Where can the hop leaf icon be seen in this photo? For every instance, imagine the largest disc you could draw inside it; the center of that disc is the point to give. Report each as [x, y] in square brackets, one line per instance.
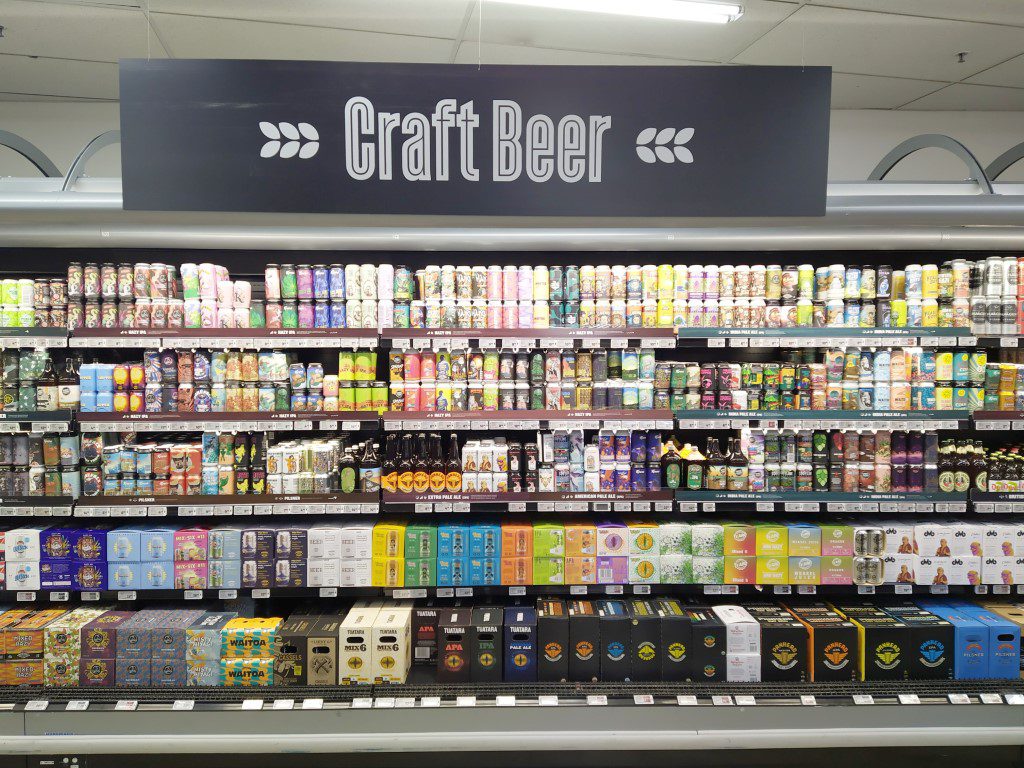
[294, 145]
[662, 139]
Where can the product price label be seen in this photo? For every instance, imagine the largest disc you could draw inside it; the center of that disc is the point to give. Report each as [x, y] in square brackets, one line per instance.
[904, 589]
[991, 698]
[465, 701]
[722, 701]
[597, 701]
[430, 702]
[77, 705]
[192, 594]
[60, 597]
[863, 699]
[328, 591]
[36, 705]
[642, 589]
[806, 589]
[939, 589]
[909, 698]
[1015, 699]
[547, 701]
[782, 589]
[578, 589]
[643, 699]
[686, 701]
[516, 591]
[283, 704]
[26, 597]
[362, 702]
[183, 705]
[613, 589]
[808, 701]
[504, 701]
[384, 702]
[865, 589]
[745, 701]
[959, 698]
[405, 702]
[252, 704]
[463, 591]
[260, 594]
[730, 589]
[312, 703]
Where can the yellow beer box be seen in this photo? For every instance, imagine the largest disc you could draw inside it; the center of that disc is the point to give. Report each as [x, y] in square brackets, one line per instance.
[804, 540]
[249, 639]
[772, 570]
[246, 673]
[392, 644]
[387, 571]
[772, 540]
[355, 657]
[388, 541]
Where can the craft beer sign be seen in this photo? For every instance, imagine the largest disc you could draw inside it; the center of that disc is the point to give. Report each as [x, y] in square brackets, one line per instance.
[335, 137]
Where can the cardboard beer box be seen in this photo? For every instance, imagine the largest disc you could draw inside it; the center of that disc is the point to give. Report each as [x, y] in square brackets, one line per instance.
[645, 640]
[452, 541]
[324, 542]
[424, 633]
[291, 543]
[520, 645]
[322, 644]
[785, 648]
[290, 648]
[931, 643]
[613, 619]
[739, 540]
[22, 672]
[675, 539]
[740, 570]
[486, 635]
[169, 673]
[62, 637]
[24, 640]
[392, 644]
[170, 633]
[553, 640]
[804, 540]
[677, 569]
[246, 673]
[421, 542]
[772, 540]
[584, 641]
[202, 672]
[742, 632]
[98, 672]
[249, 638]
[202, 638]
[99, 636]
[356, 542]
[580, 540]
[676, 637]
[644, 538]
[834, 647]
[884, 644]
[708, 645]
[258, 543]
[355, 661]
[135, 636]
[453, 628]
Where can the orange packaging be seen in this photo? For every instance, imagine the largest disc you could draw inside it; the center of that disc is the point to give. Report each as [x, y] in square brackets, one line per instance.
[7, 619]
[580, 541]
[21, 672]
[517, 571]
[24, 640]
[580, 569]
[517, 541]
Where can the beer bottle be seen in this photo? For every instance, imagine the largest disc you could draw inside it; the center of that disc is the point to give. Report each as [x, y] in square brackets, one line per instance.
[389, 470]
[348, 472]
[68, 389]
[738, 467]
[421, 470]
[671, 467]
[46, 388]
[437, 466]
[714, 472]
[369, 469]
[961, 470]
[405, 466]
[453, 467]
[947, 481]
[979, 467]
[694, 469]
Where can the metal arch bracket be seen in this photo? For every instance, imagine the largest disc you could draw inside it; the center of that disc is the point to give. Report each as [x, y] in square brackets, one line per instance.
[937, 141]
[30, 152]
[78, 167]
[1010, 157]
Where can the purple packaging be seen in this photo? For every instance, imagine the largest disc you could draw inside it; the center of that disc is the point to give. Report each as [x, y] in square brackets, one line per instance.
[612, 570]
[290, 573]
[99, 673]
[169, 633]
[622, 445]
[291, 543]
[257, 574]
[55, 544]
[55, 575]
[638, 477]
[258, 544]
[88, 576]
[653, 477]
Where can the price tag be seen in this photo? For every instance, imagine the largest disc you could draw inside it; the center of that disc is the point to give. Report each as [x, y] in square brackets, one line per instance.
[686, 701]
[36, 705]
[26, 597]
[260, 594]
[504, 701]
[1008, 341]
[77, 705]
[1015, 699]
[712, 589]
[909, 698]
[328, 591]
[959, 698]
[227, 594]
[465, 701]
[547, 701]
[722, 701]
[405, 702]
[806, 589]
[782, 589]
[192, 594]
[126, 705]
[939, 589]
[283, 704]
[865, 589]
[384, 702]
[730, 589]
[252, 704]
[183, 705]
[643, 699]
[765, 506]
[1000, 589]
[430, 702]
[863, 699]
[808, 701]
[904, 589]
[312, 703]
[59, 597]
[642, 589]
[445, 592]
[362, 702]
[613, 589]
[745, 701]
[578, 589]
[981, 589]
[463, 591]
[597, 701]
[991, 698]
[516, 591]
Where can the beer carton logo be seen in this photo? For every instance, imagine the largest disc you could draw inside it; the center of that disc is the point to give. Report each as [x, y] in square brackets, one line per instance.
[57, 545]
[772, 536]
[676, 652]
[553, 651]
[709, 670]
[453, 662]
[739, 535]
[584, 650]
[520, 660]
[616, 651]
[887, 655]
[645, 569]
[355, 662]
[837, 656]
[646, 651]
[486, 659]
[709, 641]
[645, 542]
[933, 653]
[387, 662]
[784, 655]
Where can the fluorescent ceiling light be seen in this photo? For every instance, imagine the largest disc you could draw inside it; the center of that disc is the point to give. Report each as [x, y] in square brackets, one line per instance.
[672, 10]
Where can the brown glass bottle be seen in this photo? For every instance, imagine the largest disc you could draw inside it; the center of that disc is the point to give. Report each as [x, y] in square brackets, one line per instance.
[421, 468]
[715, 472]
[737, 467]
[389, 468]
[671, 467]
[436, 465]
[405, 468]
[453, 467]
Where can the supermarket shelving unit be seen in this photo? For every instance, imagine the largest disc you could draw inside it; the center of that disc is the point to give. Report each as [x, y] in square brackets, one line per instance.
[542, 723]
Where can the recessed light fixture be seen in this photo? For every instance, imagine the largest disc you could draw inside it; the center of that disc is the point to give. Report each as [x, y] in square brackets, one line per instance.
[672, 10]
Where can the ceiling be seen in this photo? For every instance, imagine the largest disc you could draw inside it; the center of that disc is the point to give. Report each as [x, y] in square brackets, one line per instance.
[886, 54]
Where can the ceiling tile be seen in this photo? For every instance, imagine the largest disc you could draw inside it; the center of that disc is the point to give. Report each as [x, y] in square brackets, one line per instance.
[546, 28]
[971, 97]
[491, 53]
[429, 18]
[882, 44]
[198, 37]
[993, 11]
[58, 77]
[872, 92]
[75, 31]
[1009, 73]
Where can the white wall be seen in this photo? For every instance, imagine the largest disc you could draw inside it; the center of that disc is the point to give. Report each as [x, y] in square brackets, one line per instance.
[860, 138]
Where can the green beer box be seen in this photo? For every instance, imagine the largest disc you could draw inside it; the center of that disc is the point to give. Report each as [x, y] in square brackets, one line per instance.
[420, 542]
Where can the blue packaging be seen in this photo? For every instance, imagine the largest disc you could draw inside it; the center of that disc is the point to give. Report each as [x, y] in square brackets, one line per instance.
[485, 540]
[54, 575]
[144, 461]
[225, 543]
[1003, 643]
[970, 652]
[654, 477]
[200, 366]
[129, 459]
[321, 282]
[111, 485]
[156, 544]
[210, 447]
[638, 477]
[55, 544]
[452, 572]
[88, 575]
[452, 541]
[654, 445]
[520, 645]
[104, 377]
[87, 402]
[157, 574]
[104, 402]
[125, 575]
[338, 314]
[87, 377]
[484, 571]
[169, 673]
[88, 544]
[124, 545]
[211, 479]
[336, 281]
[224, 574]
[111, 459]
[144, 486]
[637, 445]
[321, 315]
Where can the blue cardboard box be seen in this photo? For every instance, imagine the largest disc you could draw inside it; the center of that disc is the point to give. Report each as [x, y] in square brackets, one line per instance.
[485, 540]
[124, 575]
[156, 544]
[970, 651]
[520, 645]
[225, 543]
[54, 575]
[452, 541]
[158, 574]
[224, 574]
[88, 575]
[124, 545]
[484, 571]
[453, 572]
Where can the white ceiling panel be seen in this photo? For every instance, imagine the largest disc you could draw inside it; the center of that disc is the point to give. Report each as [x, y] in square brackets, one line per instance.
[491, 53]
[430, 18]
[972, 97]
[58, 77]
[993, 11]
[74, 31]
[197, 37]
[546, 28]
[882, 44]
[872, 92]
[1009, 73]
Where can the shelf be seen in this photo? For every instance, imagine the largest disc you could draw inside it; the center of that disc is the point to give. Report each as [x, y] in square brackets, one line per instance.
[240, 338]
[762, 501]
[554, 338]
[346, 421]
[15, 338]
[826, 337]
[998, 421]
[609, 419]
[228, 506]
[714, 419]
[36, 506]
[36, 421]
[648, 501]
